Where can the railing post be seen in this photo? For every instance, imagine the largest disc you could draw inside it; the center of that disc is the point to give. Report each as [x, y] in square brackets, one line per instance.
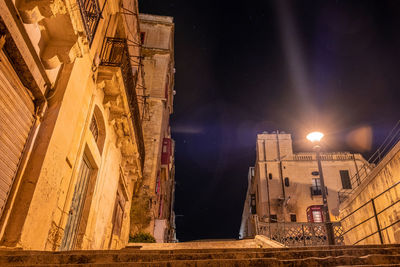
[377, 221]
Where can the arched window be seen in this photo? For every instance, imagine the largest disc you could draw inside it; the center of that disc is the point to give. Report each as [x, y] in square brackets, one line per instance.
[94, 128]
[98, 128]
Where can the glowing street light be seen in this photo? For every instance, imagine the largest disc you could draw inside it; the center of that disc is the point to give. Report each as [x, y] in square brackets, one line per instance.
[315, 138]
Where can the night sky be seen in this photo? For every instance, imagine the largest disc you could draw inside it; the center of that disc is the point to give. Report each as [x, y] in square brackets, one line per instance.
[252, 66]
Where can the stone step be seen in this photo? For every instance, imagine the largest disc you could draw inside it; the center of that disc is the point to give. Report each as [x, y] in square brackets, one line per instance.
[83, 257]
[370, 260]
[180, 251]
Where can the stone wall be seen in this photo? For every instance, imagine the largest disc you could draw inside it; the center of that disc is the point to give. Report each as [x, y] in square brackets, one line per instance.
[383, 176]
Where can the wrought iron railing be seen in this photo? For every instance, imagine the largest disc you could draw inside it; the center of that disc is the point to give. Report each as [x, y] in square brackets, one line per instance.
[316, 190]
[115, 54]
[373, 221]
[298, 234]
[390, 141]
[91, 15]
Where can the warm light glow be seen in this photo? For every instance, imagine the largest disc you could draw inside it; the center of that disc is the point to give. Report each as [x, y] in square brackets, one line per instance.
[315, 136]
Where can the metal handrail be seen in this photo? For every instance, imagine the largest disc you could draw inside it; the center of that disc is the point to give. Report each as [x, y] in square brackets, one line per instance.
[376, 214]
[391, 139]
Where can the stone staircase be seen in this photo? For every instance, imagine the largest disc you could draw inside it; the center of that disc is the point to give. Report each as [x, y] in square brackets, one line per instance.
[217, 255]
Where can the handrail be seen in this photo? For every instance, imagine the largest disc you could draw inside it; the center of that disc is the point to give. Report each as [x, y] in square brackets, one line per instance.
[391, 139]
[376, 214]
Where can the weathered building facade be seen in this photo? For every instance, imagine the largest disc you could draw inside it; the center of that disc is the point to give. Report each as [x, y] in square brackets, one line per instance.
[284, 186]
[157, 187]
[71, 141]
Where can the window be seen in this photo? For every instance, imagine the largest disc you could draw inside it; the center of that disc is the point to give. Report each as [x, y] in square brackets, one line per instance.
[97, 128]
[270, 176]
[273, 218]
[94, 128]
[344, 175]
[287, 181]
[293, 218]
[316, 187]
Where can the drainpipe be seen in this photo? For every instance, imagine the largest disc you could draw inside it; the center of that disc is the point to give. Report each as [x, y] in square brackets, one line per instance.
[280, 165]
[267, 179]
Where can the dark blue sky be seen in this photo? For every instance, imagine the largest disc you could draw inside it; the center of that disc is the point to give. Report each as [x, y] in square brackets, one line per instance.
[247, 67]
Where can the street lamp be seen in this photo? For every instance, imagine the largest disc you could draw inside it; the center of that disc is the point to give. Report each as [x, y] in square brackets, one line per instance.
[315, 138]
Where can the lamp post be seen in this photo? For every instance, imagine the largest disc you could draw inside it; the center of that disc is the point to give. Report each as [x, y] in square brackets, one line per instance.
[315, 138]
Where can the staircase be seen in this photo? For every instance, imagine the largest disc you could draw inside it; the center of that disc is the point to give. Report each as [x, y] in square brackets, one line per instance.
[369, 255]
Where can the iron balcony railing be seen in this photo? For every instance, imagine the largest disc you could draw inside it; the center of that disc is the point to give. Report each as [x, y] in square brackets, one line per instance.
[115, 54]
[300, 234]
[91, 15]
[316, 190]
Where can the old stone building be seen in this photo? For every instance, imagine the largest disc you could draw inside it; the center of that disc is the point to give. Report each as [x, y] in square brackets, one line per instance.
[71, 141]
[157, 188]
[284, 186]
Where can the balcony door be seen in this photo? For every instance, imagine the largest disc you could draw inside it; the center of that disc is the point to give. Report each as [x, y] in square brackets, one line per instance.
[77, 204]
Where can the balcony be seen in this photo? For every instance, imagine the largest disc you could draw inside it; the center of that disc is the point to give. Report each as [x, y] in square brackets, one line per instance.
[115, 54]
[91, 15]
[317, 190]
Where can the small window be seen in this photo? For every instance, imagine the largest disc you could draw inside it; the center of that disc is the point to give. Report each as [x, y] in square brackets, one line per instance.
[273, 218]
[270, 176]
[293, 218]
[344, 175]
[287, 181]
[316, 182]
[316, 187]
